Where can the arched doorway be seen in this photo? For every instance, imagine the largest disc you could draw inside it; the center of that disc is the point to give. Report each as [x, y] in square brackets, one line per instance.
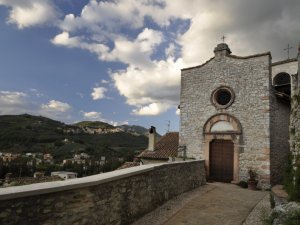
[282, 85]
[222, 140]
[221, 160]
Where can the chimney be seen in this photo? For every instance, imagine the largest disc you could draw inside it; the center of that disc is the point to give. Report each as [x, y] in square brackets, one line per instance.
[152, 134]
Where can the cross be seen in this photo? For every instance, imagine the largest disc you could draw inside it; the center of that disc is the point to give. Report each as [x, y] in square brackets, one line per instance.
[288, 50]
[223, 38]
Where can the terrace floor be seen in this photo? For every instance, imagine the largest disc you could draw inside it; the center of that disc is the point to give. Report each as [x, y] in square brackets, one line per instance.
[212, 204]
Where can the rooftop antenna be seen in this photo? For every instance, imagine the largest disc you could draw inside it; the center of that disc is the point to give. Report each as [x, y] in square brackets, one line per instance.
[288, 50]
[168, 126]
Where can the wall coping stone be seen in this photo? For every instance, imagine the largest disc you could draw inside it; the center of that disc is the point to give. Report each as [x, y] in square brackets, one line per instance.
[57, 186]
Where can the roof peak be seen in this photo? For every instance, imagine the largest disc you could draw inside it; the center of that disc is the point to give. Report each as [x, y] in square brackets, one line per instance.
[222, 49]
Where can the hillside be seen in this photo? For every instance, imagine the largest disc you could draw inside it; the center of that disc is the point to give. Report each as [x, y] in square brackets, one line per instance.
[27, 133]
[94, 124]
[136, 130]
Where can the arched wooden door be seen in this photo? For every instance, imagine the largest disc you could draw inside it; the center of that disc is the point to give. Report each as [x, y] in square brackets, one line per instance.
[221, 160]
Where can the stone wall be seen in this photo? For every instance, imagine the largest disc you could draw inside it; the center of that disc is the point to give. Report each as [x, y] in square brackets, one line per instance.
[280, 113]
[117, 197]
[250, 80]
[295, 118]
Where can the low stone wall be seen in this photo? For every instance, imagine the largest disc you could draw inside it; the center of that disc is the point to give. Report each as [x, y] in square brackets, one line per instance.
[118, 197]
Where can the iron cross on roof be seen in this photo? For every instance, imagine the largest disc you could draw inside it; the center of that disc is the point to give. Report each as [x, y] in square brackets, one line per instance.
[223, 38]
[288, 50]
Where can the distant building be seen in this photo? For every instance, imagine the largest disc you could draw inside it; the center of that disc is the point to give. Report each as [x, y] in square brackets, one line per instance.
[64, 174]
[48, 158]
[8, 157]
[164, 150]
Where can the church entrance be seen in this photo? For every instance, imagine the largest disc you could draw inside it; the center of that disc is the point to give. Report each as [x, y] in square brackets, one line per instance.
[221, 160]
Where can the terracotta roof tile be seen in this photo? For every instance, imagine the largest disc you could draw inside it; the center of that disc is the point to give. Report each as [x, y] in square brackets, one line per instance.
[166, 147]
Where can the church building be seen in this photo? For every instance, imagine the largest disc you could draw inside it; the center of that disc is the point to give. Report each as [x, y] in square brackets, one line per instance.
[235, 115]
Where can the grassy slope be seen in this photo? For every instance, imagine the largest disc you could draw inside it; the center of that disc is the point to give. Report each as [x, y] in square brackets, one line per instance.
[26, 133]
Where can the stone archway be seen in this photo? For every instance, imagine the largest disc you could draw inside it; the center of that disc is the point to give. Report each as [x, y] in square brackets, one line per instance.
[227, 128]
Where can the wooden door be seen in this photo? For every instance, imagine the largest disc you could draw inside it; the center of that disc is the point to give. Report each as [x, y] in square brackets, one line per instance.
[221, 160]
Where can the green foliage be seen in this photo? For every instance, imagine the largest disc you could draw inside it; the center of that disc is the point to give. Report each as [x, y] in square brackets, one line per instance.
[252, 175]
[292, 219]
[26, 133]
[268, 220]
[243, 184]
[295, 193]
[94, 124]
[272, 201]
[292, 186]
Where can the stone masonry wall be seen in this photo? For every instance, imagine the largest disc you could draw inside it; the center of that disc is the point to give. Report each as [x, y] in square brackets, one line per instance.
[295, 118]
[118, 197]
[250, 80]
[279, 139]
[280, 121]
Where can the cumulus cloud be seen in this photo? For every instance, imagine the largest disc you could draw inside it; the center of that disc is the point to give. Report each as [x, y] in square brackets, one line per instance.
[13, 102]
[152, 58]
[98, 93]
[65, 40]
[27, 13]
[152, 90]
[104, 81]
[97, 116]
[152, 110]
[56, 106]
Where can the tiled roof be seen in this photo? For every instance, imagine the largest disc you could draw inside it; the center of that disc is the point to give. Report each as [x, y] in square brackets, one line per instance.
[128, 165]
[166, 147]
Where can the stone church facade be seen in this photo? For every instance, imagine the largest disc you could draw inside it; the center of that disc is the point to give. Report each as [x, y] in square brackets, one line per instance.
[235, 115]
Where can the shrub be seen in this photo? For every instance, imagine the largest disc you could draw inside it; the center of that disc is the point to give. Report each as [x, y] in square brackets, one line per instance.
[292, 186]
[293, 219]
[243, 184]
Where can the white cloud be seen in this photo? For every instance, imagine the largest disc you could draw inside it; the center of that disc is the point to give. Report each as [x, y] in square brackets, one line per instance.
[113, 15]
[156, 89]
[152, 110]
[98, 93]
[104, 81]
[92, 116]
[13, 102]
[97, 116]
[152, 84]
[56, 106]
[30, 12]
[65, 40]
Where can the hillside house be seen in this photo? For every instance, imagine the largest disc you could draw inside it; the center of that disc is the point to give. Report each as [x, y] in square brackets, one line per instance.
[164, 150]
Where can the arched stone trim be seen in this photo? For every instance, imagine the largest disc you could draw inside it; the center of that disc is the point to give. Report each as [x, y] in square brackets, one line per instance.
[235, 136]
[222, 117]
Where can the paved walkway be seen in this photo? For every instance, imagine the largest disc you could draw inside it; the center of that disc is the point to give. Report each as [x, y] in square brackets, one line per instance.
[212, 204]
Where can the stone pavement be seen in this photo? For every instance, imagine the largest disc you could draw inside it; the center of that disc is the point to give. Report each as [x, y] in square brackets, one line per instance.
[212, 204]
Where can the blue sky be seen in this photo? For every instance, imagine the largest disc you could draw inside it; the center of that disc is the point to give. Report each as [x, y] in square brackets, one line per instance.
[119, 61]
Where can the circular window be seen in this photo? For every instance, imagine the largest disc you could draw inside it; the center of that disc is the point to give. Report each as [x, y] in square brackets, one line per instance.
[222, 97]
